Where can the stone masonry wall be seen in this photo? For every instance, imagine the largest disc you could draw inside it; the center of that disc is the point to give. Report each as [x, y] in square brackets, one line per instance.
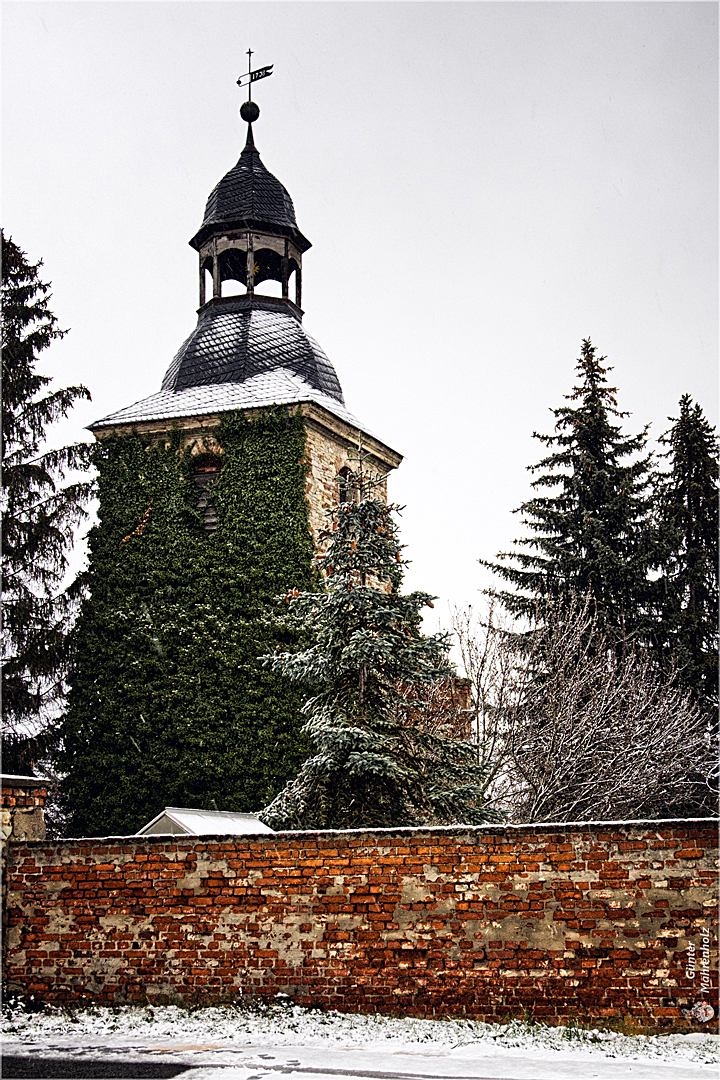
[327, 455]
[332, 445]
[590, 921]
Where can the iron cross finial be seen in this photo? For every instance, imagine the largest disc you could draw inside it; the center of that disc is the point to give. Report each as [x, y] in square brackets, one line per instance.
[253, 76]
[249, 56]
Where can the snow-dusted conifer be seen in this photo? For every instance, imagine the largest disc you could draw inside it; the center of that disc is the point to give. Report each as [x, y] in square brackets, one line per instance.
[590, 529]
[370, 769]
[687, 588]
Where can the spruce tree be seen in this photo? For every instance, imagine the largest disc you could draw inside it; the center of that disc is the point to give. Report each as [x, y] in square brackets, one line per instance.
[369, 768]
[688, 586]
[590, 534]
[40, 513]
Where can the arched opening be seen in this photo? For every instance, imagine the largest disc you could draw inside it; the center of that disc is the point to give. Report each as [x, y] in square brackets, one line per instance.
[231, 287]
[233, 272]
[293, 276]
[205, 472]
[347, 492]
[206, 280]
[269, 287]
[268, 268]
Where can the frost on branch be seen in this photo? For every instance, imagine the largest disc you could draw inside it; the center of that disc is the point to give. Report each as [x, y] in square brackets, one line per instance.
[370, 768]
[576, 730]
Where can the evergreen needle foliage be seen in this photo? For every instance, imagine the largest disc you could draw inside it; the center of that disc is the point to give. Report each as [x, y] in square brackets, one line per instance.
[169, 704]
[369, 769]
[40, 512]
[590, 534]
[688, 586]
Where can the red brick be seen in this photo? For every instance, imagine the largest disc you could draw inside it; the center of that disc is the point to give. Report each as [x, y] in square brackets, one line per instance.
[438, 964]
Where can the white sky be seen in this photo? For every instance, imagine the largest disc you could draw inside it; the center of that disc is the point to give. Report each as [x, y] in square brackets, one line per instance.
[484, 185]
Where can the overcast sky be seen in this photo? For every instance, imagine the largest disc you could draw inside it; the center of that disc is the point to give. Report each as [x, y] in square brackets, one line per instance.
[484, 185]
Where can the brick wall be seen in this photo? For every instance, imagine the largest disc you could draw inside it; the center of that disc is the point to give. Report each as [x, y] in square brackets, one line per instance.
[583, 921]
[22, 817]
[21, 807]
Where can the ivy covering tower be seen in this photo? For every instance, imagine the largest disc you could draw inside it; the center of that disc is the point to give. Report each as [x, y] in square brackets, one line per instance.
[688, 586]
[169, 705]
[589, 523]
[370, 768]
[40, 512]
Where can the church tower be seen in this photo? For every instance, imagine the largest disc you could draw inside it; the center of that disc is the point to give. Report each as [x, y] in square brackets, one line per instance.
[212, 493]
[250, 350]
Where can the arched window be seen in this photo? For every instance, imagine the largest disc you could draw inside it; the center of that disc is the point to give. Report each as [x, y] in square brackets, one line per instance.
[347, 492]
[205, 471]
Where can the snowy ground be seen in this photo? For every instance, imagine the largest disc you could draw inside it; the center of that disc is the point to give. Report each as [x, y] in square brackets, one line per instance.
[260, 1042]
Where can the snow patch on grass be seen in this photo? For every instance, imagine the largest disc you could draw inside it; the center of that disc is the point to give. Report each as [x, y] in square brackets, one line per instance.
[284, 1024]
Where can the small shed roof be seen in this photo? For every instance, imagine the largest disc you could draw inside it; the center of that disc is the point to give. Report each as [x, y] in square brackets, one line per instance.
[182, 820]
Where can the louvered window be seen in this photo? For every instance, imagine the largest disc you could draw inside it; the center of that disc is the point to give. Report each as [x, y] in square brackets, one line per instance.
[205, 472]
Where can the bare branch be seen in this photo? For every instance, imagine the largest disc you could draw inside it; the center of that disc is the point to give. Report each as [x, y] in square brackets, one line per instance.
[575, 729]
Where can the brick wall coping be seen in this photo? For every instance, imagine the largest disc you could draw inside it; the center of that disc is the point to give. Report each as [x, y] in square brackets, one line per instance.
[11, 780]
[419, 831]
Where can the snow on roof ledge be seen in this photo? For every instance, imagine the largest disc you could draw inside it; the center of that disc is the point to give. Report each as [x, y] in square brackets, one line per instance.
[280, 386]
[8, 779]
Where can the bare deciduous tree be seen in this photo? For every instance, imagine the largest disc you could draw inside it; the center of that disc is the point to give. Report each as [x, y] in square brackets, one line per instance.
[575, 730]
[496, 671]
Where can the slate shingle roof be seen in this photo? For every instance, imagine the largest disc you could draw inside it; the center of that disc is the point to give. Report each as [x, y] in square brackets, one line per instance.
[234, 341]
[249, 193]
[245, 352]
[277, 387]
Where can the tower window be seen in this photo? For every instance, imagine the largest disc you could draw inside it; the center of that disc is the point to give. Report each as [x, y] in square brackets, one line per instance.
[206, 470]
[347, 492]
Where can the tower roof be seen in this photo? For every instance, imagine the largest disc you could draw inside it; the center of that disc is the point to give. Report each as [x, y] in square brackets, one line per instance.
[240, 337]
[277, 386]
[250, 196]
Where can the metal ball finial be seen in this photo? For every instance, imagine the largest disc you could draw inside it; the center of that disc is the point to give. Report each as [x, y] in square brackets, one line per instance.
[249, 112]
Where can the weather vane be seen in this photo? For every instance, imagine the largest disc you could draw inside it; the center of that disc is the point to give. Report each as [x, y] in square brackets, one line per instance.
[253, 76]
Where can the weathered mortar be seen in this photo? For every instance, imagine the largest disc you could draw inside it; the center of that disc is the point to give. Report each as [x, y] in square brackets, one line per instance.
[22, 817]
[561, 921]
